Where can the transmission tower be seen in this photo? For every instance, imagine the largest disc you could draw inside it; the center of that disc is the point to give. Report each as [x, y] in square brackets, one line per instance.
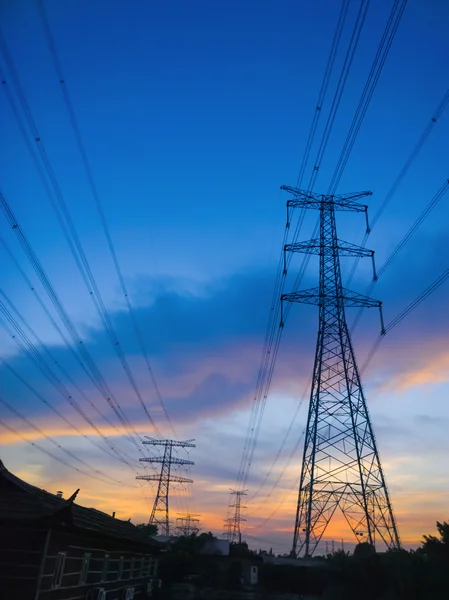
[187, 525]
[160, 514]
[228, 528]
[232, 525]
[341, 465]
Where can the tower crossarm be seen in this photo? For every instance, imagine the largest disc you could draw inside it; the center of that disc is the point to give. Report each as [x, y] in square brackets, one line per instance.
[313, 296]
[174, 461]
[152, 442]
[315, 247]
[305, 199]
[347, 298]
[173, 478]
[343, 248]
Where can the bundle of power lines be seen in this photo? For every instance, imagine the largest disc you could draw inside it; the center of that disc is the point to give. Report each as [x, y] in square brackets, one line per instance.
[275, 325]
[27, 339]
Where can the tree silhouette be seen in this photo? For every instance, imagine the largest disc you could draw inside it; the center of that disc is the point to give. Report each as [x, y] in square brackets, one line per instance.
[148, 528]
[437, 548]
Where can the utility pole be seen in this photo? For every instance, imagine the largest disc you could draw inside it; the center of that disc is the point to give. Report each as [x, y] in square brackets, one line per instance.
[341, 467]
[232, 525]
[187, 525]
[160, 513]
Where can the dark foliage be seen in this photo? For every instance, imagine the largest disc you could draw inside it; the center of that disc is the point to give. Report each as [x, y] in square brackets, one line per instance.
[240, 550]
[365, 575]
[148, 528]
[179, 562]
[394, 575]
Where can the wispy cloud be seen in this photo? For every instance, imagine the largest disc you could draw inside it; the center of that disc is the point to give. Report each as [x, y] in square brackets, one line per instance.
[205, 346]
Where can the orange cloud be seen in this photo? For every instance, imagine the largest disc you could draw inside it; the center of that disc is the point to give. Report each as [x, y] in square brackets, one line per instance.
[434, 370]
[416, 510]
[55, 430]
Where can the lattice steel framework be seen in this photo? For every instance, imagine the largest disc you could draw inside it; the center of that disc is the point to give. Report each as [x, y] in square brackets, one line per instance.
[233, 530]
[187, 525]
[160, 513]
[341, 465]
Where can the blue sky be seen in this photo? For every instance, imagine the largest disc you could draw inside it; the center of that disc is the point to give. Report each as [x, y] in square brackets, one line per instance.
[193, 115]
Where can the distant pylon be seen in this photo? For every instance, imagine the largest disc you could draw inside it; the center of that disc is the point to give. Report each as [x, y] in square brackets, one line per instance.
[341, 465]
[233, 530]
[228, 528]
[160, 513]
[187, 525]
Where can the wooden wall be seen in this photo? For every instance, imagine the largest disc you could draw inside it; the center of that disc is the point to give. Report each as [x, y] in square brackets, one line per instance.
[20, 559]
[118, 557]
[28, 573]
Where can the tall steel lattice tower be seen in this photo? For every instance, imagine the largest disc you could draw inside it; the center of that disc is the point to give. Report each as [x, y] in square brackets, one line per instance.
[160, 513]
[233, 529]
[341, 465]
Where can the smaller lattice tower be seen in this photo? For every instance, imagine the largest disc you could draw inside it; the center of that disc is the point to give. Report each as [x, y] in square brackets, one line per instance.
[233, 530]
[187, 525]
[228, 526]
[160, 513]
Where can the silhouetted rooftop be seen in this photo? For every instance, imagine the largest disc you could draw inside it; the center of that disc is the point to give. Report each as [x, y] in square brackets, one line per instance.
[21, 501]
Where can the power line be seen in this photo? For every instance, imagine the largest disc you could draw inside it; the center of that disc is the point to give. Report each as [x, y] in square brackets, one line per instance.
[324, 86]
[61, 368]
[68, 228]
[430, 206]
[264, 540]
[284, 441]
[411, 307]
[360, 20]
[404, 241]
[42, 345]
[414, 153]
[269, 355]
[373, 77]
[379, 61]
[278, 506]
[16, 332]
[347, 63]
[15, 373]
[44, 450]
[93, 370]
[350, 53]
[79, 139]
[368, 91]
[403, 314]
[403, 172]
[100, 476]
[68, 323]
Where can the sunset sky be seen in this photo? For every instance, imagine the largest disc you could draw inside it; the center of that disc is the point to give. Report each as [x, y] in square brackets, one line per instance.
[193, 114]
